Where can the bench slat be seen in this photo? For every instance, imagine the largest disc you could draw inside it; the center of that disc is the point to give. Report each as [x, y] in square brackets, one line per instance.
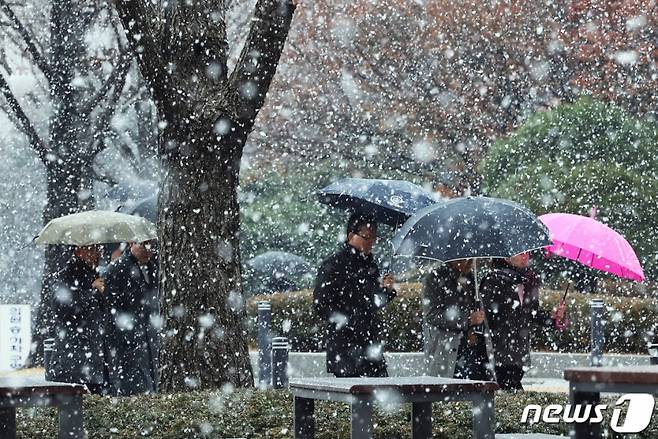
[401, 385]
[613, 375]
[16, 387]
[529, 436]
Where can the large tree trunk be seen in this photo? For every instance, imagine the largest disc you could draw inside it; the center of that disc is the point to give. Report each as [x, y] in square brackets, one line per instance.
[182, 53]
[205, 337]
[68, 164]
[74, 141]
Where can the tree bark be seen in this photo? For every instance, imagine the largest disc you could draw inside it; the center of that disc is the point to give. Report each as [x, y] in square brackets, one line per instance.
[208, 116]
[205, 339]
[73, 143]
[69, 186]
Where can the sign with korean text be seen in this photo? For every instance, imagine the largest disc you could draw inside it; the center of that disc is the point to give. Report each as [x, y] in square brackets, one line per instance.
[15, 336]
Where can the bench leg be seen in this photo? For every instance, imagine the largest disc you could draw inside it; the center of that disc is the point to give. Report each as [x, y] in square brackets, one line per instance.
[71, 418]
[361, 418]
[585, 430]
[421, 420]
[304, 418]
[8, 422]
[484, 422]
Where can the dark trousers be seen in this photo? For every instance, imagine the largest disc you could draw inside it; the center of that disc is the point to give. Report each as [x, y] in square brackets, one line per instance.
[360, 367]
[472, 361]
[509, 377]
[366, 369]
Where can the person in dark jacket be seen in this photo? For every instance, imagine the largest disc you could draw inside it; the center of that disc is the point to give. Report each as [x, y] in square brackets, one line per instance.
[452, 346]
[133, 301]
[510, 293]
[79, 307]
[347, 296]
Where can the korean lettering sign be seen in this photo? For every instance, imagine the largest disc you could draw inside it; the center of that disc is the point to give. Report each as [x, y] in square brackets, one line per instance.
[15, 336]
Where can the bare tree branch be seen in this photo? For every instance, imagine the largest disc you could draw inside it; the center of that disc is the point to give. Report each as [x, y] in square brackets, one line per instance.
[129, 155]
[103, 124]
[260, 54]
[136, 19]
[113, 79]
[28, 39]
[89, 14]
[25, 125]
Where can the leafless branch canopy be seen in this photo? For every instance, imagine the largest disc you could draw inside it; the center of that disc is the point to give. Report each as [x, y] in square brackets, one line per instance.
[28, 39]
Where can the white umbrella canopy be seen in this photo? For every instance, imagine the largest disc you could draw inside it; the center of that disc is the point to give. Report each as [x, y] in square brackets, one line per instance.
[96, 227]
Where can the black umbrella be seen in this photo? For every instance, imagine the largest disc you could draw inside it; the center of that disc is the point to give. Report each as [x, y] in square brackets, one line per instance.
[470, 227]
[390, 202]
[277, 263]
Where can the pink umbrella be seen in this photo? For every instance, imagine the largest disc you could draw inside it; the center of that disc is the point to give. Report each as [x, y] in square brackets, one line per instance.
[592, 244]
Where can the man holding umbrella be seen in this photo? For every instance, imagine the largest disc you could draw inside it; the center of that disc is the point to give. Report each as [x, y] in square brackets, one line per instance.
[476, 228]
[347, 296]
[81, 299]
[79, 308]
[133, 300]
[452, 345]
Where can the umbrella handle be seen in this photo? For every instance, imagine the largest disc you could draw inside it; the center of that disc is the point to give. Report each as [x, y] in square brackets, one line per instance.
[562, 323]
[390, 259]
[28, 244]
[390, 265]
[564, 297]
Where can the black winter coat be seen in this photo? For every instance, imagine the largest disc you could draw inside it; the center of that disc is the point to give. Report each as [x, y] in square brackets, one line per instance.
[510, 320]
[79, 326]
[448, 299]
[347, 296]
[133, 329]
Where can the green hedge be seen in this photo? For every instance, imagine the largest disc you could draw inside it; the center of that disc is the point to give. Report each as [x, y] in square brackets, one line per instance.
[268, 414]
[250, 413]
[582, 155]
[630, 322]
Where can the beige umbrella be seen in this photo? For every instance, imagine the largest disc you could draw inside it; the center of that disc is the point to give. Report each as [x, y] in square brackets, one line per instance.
[96, 227]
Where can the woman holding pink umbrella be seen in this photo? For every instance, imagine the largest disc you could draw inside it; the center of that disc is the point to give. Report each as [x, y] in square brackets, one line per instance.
[510, 293]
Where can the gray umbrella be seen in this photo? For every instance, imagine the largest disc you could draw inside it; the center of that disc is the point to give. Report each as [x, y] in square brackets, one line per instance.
[146, 208]
[280, 264]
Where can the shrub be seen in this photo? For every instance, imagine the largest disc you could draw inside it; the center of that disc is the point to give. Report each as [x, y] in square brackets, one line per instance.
[630, 322]
[250, 413]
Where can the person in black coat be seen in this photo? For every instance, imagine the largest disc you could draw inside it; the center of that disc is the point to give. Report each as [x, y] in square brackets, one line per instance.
[79, 307]
[133, 301]
[451, 314]
[510, 293]
[347, 296]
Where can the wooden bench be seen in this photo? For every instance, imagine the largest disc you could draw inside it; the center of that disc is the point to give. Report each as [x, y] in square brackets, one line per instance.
[421, 392]
[587, 383]
[529, 436]
[28, 392]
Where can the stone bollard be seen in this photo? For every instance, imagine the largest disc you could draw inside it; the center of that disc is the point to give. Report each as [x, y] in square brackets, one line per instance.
[597, 340]
[653, 353]
[264, 343]
[48, 350]
[280, 350]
